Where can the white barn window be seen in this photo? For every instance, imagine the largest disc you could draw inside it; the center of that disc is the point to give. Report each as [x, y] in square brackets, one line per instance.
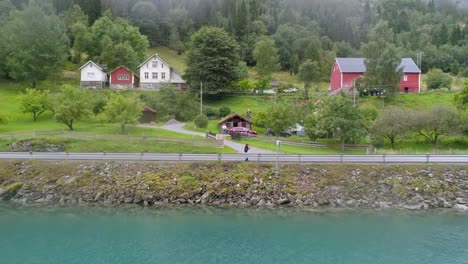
[90, 74]
[122, 77]
[155, 64]
[163, 75]
[146, 75]
[155, 75]
[405, 77]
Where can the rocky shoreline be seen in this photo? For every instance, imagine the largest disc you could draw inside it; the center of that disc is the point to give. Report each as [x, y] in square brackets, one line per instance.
[413, 187]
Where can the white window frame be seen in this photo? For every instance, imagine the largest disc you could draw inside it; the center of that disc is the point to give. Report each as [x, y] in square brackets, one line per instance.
[405, 78]
[146, 75]
[91, 74]
[163, 75]
[155, 75]
[155, 64]
[123, 77]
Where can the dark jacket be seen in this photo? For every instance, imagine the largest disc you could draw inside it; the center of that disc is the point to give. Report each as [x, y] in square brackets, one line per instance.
[246, 148]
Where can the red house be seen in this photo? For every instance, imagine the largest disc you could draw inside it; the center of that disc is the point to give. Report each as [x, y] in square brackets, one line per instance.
[346, 70]
[123, 78]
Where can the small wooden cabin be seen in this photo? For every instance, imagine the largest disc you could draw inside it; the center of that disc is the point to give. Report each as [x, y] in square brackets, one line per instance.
[148, 116]
[235, 120]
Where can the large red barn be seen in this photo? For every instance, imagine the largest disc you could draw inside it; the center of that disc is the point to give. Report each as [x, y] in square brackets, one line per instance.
[346, 70]
[123, 78]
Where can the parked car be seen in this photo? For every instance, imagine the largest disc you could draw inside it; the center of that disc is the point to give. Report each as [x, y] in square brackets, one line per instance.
[290, 90]
[242, 130]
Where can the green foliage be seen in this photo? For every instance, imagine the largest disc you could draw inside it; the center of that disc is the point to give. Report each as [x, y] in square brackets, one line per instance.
[245, 85]
[201, 121]
[35, 102]
[112, 41]
[33, 45]
[266, 56]
[146, 16]
[461, 99]
[4, 117]
[337, 115]
[309, 72]
[224, 111]
[279, 117]
[436, 78]
[211, 112]
[438, 121]
[70, 105]
[123, 109]
[212, 58]
[393, 123]
[382, 59]
[181, 105]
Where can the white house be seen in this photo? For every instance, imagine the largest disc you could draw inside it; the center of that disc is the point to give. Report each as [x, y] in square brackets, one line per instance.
[155, 71]
[93, 75]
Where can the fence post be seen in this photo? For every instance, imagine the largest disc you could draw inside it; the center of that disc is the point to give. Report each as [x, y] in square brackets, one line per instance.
[180, 156]
[300, 159]
[384, 159]
[341, 158]
[259, 156]
[103, 155]
[428, 156]
[67, 155]
[30, 155]
[219, 157]
[141, 156]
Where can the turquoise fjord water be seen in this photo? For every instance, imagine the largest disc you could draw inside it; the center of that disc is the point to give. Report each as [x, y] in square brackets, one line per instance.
[206, 235]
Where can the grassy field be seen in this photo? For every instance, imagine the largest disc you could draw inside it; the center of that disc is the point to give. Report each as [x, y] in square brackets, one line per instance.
[75, 145]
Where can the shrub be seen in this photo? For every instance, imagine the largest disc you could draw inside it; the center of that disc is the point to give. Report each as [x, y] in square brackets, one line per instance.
[436, 79]
[211, 112]
[201, 121]
[224, 111]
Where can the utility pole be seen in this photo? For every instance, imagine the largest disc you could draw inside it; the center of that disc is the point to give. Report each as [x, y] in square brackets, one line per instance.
[201, 98]
[354, 92]
[278, 144]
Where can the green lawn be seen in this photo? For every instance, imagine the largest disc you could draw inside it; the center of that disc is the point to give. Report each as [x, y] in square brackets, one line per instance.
[285, 149]
[75, 145]
[414, 101]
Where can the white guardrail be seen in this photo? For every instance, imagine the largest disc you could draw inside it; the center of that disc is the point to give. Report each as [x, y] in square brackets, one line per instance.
[382, 159]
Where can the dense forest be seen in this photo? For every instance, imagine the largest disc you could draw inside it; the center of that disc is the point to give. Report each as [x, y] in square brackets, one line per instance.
[316, 30]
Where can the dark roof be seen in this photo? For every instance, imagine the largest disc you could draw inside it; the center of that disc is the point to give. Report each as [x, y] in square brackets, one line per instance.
[232, 116]
[357, 65]
[148, 109]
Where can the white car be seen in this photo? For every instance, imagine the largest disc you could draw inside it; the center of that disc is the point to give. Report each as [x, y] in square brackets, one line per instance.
[290, 90]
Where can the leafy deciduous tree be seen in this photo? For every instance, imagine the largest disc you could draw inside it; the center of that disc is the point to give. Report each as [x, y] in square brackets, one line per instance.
[279, 117]
[436, 78]
[35, 102]
[438, 121]
[212, 58]
[391, 124]
[461, 99]
[309, 72]
[123, 109]
[70, 105]
[338, 115]
[33, 44]
[266, 56]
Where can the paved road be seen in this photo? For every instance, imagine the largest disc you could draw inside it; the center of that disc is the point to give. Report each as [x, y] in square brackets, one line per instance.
[178, 127]
[448, 159]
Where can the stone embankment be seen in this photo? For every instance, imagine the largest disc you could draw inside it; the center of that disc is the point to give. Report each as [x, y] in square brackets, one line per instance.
[235, 184]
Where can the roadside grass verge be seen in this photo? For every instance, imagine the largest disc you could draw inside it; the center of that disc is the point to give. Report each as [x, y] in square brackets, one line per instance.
[285, 149]
[120, 146]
